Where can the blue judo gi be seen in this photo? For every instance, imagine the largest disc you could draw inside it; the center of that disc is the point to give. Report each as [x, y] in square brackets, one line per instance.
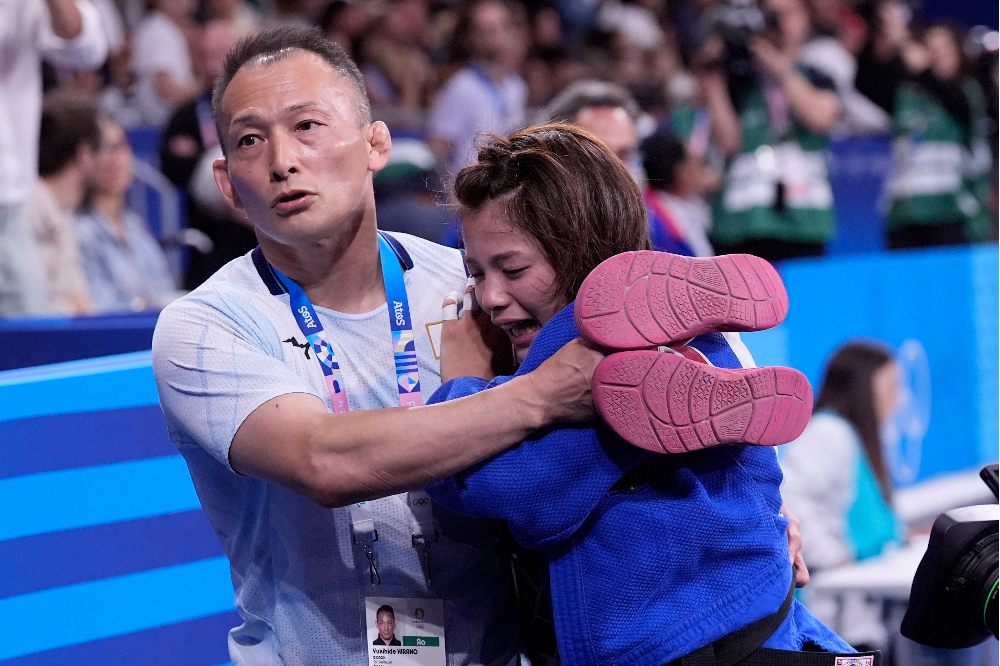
[646, 573]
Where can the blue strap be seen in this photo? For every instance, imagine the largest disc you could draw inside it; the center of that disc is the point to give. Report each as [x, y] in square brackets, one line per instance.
[401, 328]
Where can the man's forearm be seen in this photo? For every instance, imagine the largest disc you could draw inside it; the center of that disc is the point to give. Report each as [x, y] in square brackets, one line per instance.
[67, 21]
[336, 459]
[446, 438]
[817, 109]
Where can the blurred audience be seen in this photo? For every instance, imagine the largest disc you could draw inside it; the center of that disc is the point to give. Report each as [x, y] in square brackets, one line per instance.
[125, 267]
[771, 113]
[676, 184]
[605, 110]
[832, 50]
[487, 94]
[405, 193]
[238, 16]
[938, 192]
[393, 57]
[190, 146]
[344, 23]
[610, 113]
[67, 33]
[836, 482]
[67, 155]
[161, 59]
[736, 100]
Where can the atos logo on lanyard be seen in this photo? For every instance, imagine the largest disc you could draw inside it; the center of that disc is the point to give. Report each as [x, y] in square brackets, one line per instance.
[403, 342]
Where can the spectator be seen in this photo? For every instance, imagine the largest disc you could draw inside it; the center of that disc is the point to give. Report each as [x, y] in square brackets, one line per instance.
[238, 16]
[829, 53]
[838, 485]
[676, 177]
[67, 153]
[610, 113]
[125, 267]
[487, 94]
[190, 146]
[770, 117]
[119, 98]
[937, 112]
[343, 23]
[393, 58]
[67, 32]
[162, 60]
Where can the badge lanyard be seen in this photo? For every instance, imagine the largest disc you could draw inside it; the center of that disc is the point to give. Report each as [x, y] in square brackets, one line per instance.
[407, 383]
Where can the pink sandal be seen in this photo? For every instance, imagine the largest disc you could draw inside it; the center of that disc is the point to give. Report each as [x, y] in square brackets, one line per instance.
[666, 403]
[638, 300]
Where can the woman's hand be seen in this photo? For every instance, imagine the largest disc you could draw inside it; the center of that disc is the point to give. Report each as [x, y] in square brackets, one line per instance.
[471, 346]
[795, 549]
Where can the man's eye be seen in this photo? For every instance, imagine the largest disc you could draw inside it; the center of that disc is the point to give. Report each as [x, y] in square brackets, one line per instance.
[248, 140]
[308, 125]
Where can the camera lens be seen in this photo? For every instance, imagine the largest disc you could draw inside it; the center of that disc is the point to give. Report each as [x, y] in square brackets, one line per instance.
[990, 608]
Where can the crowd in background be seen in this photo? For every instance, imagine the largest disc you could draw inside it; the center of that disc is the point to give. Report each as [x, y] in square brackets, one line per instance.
[721, 109]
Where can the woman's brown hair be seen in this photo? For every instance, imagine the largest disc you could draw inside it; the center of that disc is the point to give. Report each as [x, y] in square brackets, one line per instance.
[562, 186]
[847, 390]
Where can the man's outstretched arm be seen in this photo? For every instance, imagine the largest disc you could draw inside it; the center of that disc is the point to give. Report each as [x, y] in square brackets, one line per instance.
[336, 459]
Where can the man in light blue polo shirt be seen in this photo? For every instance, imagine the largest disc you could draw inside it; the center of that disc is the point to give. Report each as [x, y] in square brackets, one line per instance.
[285, 380]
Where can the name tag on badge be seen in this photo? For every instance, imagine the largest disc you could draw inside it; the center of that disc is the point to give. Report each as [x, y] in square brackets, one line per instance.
[405, 632]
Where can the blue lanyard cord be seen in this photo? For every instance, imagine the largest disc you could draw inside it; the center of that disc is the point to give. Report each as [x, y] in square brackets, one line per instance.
[403, 343]
[400, 324]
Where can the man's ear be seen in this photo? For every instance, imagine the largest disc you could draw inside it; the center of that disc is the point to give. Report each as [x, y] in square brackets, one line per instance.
[381, 145]
[221, 172]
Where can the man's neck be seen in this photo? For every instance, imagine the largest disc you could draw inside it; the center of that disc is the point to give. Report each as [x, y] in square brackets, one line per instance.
[341, 273]
[67, 187]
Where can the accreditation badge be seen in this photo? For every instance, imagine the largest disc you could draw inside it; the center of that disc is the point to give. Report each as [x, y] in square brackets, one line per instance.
[405, 632]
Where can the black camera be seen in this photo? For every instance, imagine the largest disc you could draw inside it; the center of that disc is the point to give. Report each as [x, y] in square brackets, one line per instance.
[953, 599]
[737, 22]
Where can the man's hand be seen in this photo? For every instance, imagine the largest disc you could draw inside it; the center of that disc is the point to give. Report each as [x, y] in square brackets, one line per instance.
[67, 21]
[471, 346]
[816, 108]
[773, 60]
[795, 549]
[562, 384]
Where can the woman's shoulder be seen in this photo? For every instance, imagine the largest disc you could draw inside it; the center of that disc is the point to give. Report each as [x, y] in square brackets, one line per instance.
[828, 442]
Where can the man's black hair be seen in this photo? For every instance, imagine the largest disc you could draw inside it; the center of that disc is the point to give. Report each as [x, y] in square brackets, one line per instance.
[661, 154]
[272, 45]
[385, 608]
[68, 122]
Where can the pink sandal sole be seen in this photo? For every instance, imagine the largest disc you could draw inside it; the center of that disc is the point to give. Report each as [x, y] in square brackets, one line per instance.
[666, 403]
[637, 300]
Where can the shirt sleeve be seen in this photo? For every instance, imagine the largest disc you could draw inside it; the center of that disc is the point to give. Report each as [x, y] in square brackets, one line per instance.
[213, 368]
[818, 487]
[88, 50]
[160, 47]
[448, 117]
